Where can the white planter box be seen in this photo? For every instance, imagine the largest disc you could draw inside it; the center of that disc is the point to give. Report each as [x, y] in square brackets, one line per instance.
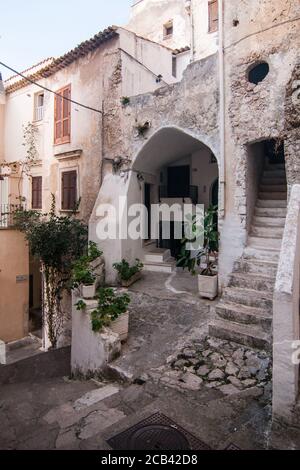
[208, 286]
[120, 326]
[88, 292]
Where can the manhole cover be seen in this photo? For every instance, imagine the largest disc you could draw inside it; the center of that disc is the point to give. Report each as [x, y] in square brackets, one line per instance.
[156, 433]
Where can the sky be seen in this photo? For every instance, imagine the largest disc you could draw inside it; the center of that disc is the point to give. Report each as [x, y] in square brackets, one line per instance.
[33, 30]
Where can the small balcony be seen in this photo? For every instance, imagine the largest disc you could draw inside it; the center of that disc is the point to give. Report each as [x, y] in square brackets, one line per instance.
[7, 215]
[39, 113]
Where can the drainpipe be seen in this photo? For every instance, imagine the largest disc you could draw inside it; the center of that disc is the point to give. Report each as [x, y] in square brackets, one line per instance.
[222, 111]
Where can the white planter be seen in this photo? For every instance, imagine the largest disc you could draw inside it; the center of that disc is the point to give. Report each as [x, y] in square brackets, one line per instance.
[88, 292]
[208, 286]
[120, 326]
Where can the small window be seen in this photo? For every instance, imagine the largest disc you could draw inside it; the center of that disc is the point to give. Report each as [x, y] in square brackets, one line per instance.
[258, 72]
[36, 192]
[174, 66]
[62, 116]
[69, 190]
[213, 16]
[39, 106]
[168, 30]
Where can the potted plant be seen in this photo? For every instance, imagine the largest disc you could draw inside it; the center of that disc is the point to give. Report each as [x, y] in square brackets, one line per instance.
[83, 273]
[128, 274]
[112, 312]
[204, 261]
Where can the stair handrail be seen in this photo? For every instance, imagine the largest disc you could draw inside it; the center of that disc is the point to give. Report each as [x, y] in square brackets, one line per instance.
[286, 315]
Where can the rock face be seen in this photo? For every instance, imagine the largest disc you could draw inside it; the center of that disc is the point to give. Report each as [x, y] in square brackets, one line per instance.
[219, 364]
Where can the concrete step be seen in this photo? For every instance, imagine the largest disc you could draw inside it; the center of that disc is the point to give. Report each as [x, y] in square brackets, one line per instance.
[272, 212]
[157, 255]
[278, 196]
[272, 166]
[267, 232]
[248, 335]
[244, 315]
[269, 221]
[273, 188]
[254, 266]
[265, 243]
[164, 267]
[274, 181]
[252, 281]
[274, 173]
[261, 254]
[249, 297]
[271, 203]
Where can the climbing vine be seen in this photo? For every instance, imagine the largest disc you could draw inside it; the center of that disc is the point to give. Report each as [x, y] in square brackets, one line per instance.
[57, 241]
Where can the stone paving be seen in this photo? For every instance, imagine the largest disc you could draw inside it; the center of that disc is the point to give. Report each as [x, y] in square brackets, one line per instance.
[177, 370]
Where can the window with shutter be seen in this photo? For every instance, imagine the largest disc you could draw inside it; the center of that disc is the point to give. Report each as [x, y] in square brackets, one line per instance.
[62, 116]
[213, 16]
[69, 190]
[36, 192]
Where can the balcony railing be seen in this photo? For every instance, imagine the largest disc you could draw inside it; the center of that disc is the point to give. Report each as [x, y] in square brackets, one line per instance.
[7, 214]
[39, 113]
[190, 193]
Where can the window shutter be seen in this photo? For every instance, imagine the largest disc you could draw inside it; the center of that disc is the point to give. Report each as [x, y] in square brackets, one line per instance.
[36, 202]
[69, 190]
[62, 116]
[213, 16]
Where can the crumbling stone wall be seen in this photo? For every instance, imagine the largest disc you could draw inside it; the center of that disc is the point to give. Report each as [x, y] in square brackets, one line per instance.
[292, 127]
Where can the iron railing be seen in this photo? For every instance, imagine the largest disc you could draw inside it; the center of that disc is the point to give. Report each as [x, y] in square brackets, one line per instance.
[7, 214]
[190, 193]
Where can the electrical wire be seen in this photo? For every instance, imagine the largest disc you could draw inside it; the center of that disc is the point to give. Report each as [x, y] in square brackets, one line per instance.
[49, 90]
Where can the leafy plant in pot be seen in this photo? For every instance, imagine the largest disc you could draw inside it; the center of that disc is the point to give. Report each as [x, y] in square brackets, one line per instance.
[83, 273]
[128, 274]
[204, 261]
[112, 312]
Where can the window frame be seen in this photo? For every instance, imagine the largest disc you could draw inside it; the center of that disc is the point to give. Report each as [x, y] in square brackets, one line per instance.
[61, 173]
[33, 206]
[213, 25]
[166, 26]
[36, 117]
[62, 139]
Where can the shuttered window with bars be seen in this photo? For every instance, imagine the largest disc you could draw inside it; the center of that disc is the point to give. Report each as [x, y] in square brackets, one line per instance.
[36, 192]
[62, 116]
[213, 16]
[69, 190]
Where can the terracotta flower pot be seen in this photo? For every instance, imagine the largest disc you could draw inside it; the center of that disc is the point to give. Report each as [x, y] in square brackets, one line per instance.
[120, 326]
[208, 286]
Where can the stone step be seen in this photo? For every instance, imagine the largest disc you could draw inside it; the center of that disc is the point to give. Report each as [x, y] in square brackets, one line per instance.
[274, 181]
[274, 173]
[248, 335]
[273, 212]
[244, 315]
[269, 221]
[267, 232]
[273, 188]
[277, 166]
[265, 243]
[278, 196]
[252, 281]
[164, 267]
[157, 255]
[254, 266]
[271, 203]
[249, 297]
[261, 254]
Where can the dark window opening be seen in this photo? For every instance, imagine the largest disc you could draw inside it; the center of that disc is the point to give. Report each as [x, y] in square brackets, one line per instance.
[258, 73]
[174, 66]
[168, 30]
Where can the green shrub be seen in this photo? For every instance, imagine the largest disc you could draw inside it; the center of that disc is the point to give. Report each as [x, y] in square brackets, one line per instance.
[110, 307]
[126, 271]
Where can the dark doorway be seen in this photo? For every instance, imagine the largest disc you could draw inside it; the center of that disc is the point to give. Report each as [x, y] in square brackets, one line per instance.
[179, 181]
[147, 202]
[274, 150]
[215, 193]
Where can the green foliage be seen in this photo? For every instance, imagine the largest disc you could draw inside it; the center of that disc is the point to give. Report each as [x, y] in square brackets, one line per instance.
[185, 259]
[126, 271]
[80, 305]
[125, 100]
[83, 272]
[110, 307]
[57, 241]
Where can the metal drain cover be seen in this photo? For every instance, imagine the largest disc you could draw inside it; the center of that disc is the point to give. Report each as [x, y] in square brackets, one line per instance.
[156, 433]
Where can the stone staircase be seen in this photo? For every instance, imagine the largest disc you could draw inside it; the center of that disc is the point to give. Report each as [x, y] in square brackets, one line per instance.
[158, 260]
[244, 314]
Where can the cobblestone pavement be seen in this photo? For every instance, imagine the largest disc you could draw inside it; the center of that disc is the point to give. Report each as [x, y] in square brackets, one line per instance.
[218, 392]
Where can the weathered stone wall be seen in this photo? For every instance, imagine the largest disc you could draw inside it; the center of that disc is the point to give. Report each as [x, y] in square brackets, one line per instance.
[255, 31]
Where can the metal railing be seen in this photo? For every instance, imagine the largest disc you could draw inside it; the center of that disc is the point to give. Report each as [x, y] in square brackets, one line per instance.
[7, 214]
[39, 113]
[191, 193]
